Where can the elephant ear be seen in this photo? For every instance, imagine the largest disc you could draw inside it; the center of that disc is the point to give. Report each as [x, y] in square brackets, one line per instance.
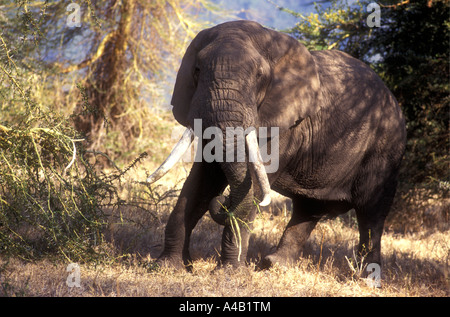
[185, 83]
[294, 91]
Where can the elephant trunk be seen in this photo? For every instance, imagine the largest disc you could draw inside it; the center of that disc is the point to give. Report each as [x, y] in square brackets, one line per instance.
[240, 201]
[236, 212]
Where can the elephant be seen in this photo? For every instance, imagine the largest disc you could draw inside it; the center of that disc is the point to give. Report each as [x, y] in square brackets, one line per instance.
[340, 137]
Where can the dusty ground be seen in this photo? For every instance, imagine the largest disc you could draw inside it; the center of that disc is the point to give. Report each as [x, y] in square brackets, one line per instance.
[414, 263]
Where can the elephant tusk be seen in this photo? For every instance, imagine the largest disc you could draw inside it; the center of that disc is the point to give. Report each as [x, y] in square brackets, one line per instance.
[258, 166]
[180, 148]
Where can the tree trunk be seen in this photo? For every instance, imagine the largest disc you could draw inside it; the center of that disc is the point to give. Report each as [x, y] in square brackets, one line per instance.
[104, 92]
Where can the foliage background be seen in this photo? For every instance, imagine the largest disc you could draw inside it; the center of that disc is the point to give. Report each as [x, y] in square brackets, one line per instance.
[411, 44]
[74, 105]
[410, 52]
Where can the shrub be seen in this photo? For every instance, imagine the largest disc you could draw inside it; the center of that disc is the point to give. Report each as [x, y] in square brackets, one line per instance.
[51, 196]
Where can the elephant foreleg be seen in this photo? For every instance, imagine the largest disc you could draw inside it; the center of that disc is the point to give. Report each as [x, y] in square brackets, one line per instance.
[302, 222]
[205, 181]
[235, 240]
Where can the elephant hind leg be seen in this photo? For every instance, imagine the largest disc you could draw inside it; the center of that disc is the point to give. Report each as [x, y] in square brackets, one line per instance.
[305, 215]
[371, 218]
[374, 196]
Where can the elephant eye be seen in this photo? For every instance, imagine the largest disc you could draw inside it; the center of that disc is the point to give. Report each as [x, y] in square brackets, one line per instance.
[260, 72]
[196, 73]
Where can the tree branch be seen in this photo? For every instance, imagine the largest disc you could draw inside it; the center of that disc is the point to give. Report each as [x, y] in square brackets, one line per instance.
[92, 59]
[395, 5]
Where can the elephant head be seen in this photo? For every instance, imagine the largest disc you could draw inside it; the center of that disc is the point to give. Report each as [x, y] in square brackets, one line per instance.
[240, 74]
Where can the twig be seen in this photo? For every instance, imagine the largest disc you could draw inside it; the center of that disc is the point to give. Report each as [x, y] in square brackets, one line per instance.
[7, 53]
[95, 152]
[395, 5]
[13, 80]
[74, 153]
[235, 229]
[321, 247]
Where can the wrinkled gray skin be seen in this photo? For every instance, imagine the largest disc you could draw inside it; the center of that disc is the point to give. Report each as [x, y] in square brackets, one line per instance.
[342, 137]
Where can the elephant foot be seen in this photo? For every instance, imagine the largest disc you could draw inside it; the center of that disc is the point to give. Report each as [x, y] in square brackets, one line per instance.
[268, 262]
[231, 264]
[168, 262]
[276, 260]
[229, 267]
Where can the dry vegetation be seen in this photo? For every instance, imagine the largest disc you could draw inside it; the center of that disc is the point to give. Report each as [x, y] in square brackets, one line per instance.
[414, 263]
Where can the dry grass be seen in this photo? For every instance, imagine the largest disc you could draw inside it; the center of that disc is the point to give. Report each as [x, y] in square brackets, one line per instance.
[414, 264]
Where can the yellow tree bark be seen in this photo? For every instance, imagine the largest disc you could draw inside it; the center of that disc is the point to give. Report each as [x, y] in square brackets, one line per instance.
[108, 65]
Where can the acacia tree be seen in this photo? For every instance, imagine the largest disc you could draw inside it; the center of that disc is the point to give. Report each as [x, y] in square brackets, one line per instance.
[53, 197]
[120, 55]
[134, 45]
